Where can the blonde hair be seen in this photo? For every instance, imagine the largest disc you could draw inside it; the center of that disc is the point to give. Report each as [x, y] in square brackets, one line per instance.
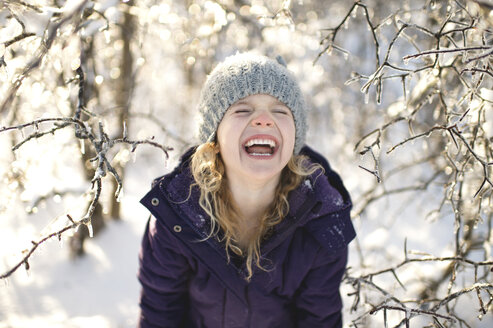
[216, 200]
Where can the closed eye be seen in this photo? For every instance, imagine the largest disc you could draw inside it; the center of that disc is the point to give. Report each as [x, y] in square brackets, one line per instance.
[281, 111]
[242, 110]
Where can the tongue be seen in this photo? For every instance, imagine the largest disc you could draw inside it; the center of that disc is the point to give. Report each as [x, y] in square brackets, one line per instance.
[259, 149]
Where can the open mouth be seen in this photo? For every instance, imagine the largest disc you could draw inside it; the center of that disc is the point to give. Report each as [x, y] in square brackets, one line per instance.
[260, 147]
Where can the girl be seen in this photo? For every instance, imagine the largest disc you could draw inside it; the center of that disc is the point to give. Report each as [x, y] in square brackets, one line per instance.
[251, 229]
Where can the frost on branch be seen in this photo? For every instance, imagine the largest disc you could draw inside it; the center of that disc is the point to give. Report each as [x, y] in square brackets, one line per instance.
[56, 28]
[440, 53]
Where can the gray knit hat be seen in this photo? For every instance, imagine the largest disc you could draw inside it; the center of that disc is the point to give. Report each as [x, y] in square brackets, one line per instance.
[246, 74]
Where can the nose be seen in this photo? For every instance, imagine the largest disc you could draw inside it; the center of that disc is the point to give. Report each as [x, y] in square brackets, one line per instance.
[263, 119]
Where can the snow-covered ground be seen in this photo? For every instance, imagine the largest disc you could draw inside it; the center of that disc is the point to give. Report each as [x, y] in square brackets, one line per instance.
[98, 290]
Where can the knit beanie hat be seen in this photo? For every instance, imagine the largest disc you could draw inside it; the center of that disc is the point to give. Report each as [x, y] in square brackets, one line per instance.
[246, 74]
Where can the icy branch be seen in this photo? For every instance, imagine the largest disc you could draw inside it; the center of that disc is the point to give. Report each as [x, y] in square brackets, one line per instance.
[39, 55]
[100, 144]
[445, 105]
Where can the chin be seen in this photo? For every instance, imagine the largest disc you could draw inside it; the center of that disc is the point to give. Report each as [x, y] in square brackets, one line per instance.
[264, 170]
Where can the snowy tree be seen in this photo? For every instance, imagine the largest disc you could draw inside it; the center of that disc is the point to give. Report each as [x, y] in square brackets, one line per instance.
[400, 95]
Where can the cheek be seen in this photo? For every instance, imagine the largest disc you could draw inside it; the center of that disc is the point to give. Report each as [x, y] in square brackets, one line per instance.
[222, 133]
[227, 139]
[289, 134]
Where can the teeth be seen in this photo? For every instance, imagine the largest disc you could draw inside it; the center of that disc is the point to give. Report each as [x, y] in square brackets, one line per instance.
[261, 154]
[268, 142]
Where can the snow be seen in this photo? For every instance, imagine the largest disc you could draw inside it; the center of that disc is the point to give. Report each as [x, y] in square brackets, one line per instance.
[376, 239]
[98, 290]
[101, 289]
[308, 184]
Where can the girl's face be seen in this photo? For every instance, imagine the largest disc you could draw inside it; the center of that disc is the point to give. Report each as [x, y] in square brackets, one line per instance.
[256, 138]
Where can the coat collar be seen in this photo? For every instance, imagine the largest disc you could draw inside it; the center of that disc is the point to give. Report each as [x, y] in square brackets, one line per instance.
[322, 191]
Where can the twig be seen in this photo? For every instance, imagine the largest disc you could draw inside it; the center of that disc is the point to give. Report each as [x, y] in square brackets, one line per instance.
[18, 38]
[444, 51]
[412, 311]
[421, 135]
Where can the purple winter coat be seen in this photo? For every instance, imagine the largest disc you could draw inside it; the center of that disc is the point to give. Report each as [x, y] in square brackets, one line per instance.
[187, 280]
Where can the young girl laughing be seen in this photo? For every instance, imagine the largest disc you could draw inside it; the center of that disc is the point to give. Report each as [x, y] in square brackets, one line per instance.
[251, 229]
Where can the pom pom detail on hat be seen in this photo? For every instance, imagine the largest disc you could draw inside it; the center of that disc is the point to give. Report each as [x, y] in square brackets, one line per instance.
[246, 74]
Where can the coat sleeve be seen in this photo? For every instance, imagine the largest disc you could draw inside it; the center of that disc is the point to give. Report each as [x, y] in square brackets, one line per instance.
[163, 274]
[318, 300]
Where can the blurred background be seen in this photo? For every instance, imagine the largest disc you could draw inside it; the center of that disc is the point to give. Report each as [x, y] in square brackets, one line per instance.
[98, 98]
